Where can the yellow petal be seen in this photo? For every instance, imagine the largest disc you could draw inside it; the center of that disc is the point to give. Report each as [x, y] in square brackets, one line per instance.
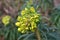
[17, 23]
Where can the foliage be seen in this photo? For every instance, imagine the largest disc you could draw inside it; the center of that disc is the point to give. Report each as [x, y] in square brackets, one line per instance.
[55, 16]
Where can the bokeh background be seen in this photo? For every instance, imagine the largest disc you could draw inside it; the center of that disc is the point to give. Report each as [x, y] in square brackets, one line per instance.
[48, 28]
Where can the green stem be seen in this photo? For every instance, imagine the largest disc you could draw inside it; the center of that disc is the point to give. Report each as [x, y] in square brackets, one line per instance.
[38, 35]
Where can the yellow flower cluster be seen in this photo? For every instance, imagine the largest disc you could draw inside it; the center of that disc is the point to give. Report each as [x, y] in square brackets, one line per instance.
[6, 19]
[28, 20]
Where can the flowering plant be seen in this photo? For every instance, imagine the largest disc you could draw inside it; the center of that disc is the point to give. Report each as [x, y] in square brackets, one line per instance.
[28, 20]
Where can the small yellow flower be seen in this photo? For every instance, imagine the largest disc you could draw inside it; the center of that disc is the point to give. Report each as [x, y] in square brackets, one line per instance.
[31, 17]
[32, 9]
[19, 29]
[23, 31]
[26, 28]
[26, 9]
[19, 18]
[24, 18]
[37, 20]
[17, 23]
[36, 16]
[6, 19]
[23, 12]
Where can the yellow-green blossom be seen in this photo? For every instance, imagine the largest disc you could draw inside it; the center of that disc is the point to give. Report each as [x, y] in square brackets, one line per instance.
[6, 19]
[19, 18]
[32, 9]
[23, 12]
[26, 9]
[23, 31]
[17, 23]
[19, 29]
[26, 28]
